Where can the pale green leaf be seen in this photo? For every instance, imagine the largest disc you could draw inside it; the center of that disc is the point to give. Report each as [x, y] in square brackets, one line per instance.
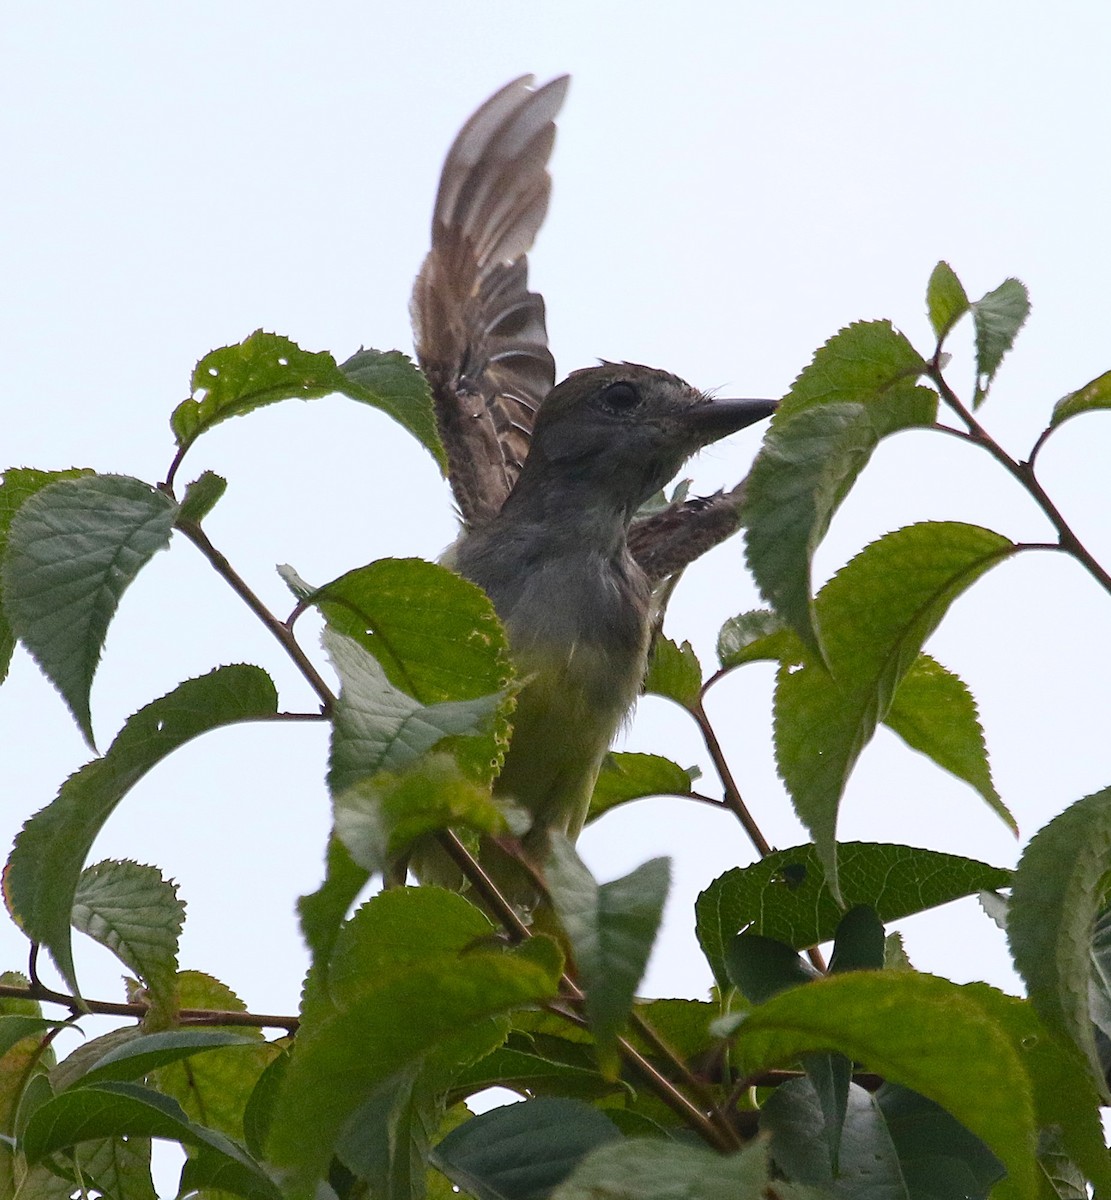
[946, 300]
[1092, 397]
[136, 913]
[674, 672]
[625, 776]
[997, 317]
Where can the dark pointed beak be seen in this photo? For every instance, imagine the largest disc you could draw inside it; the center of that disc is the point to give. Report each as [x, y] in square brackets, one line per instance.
[716, 417]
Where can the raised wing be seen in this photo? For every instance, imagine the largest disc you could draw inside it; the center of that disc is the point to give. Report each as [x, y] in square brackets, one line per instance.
[480, 333]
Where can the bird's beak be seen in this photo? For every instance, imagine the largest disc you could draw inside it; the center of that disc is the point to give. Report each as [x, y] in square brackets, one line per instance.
[716, 417]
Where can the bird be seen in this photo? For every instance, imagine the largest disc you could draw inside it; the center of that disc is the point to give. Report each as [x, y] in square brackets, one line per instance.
[550, 479]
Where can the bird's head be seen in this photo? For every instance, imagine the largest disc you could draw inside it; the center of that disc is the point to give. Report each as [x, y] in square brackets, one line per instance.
[630, 428]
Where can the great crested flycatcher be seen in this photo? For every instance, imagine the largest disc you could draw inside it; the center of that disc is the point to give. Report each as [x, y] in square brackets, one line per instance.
[549, 479]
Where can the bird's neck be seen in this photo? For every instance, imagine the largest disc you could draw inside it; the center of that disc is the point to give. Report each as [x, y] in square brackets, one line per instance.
[571, 511]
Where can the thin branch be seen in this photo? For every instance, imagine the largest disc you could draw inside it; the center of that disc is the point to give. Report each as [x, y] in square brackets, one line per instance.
[733, 799]
[187, 1016]
[281, 632]
[171, 474]
[1024, 473]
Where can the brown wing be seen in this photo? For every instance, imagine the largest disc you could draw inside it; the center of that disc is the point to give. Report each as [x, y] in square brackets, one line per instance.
[480, 333]
[672, 539]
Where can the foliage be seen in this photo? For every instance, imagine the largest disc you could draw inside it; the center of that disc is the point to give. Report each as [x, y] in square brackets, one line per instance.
[861, 1076]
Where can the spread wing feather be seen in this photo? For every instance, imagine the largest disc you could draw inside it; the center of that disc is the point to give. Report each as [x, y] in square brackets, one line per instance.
[480, 334]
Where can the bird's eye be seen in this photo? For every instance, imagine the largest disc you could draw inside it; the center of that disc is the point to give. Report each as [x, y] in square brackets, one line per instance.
[621, 397]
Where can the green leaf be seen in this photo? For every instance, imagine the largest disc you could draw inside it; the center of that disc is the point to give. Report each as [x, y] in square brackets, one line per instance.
[118, 1167]
[626, 777]
[859, 942]
[137, 915]
[998, 317]
[934, 712]
[141, 1055]
[1059, 890]
[435, 636]
[390, 381]
[1092, 397]
[940, 1159]
[761, 967]
[674, 672]
[875, 613]
[201, 497]
[785, 896]
[376, 727]
[750, 637]
[73, 549]
[322, 912]
[858, 389]
[381, 816]
[392, 932]
[266, 368]
[911, 1029]
[19, 483]
[1064, 1097]
[640, 1169]
[946, 300]
[611, 928]
[530, 1068]
[128, 1110]
[859, 1155]
[45, 866]
[522, 1151]
[387, 1025]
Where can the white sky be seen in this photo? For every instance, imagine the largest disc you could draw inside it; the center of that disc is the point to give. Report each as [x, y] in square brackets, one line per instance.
[733, 183]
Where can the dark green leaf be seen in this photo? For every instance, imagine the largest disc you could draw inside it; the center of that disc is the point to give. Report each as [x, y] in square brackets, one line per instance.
[626, 777]
[136, 913]
[45, 867]
[73, 549]
[435, 636]
[939, 1158]
[784, 896]
[19, 483]
[522, 1151]
[201, 497]
[611, 928]
[761, 967]
[946, 300]
[1058, 891]
[858, 389]
[379, 728]
[389, 380]
[934, 712]
[858, 944]
[522, 1066]
[998, 317]
[128, 1110]
[875, 613]
[911, 1029]
[674, 672]
[643, 1169]
[858, 1155]
[1092, 397]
